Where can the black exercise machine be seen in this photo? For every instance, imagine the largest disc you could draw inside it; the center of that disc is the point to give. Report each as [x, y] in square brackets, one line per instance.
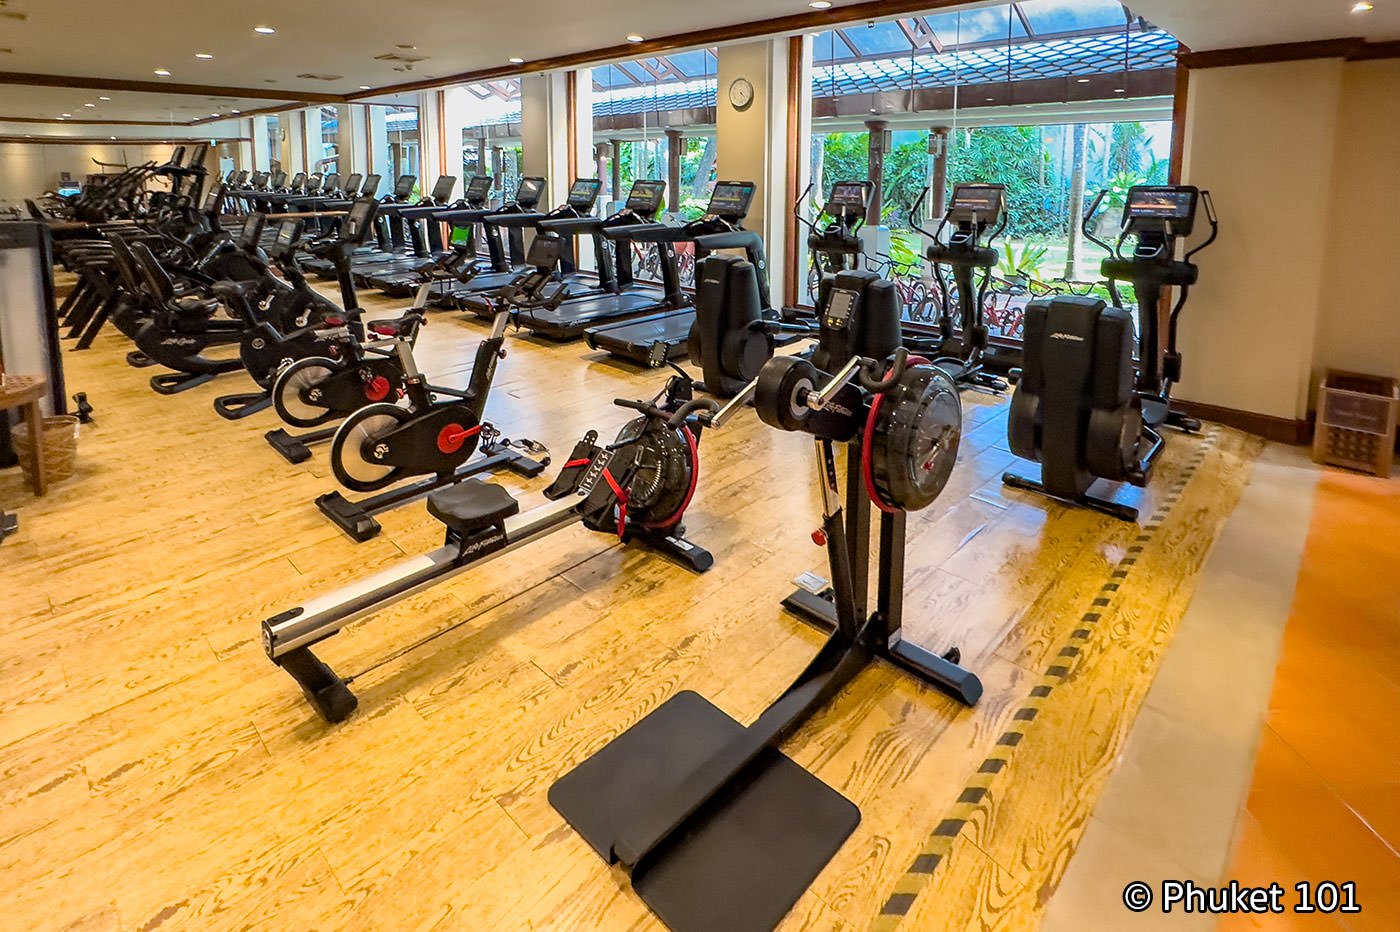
[1081, 408]
[636, 489]
[717, 828]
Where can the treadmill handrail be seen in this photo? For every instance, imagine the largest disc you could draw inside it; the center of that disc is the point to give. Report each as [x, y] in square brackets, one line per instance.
[463, 215]
[525, 219]
[566, 225]
[647, 233]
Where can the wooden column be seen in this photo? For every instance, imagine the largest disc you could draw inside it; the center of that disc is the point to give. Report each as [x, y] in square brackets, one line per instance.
[675, 149]
[876, 170]
[938, 172]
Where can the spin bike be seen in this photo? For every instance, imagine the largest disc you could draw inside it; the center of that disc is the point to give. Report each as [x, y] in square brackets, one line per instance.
[440, 430]
[636, 489]
[716, 827]
[975, 218]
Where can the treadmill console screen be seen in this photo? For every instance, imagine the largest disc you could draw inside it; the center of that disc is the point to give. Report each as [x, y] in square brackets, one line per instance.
[404, 186]
[288, 231]
[332, 182]
[259, 179]
[732, 199]
[840, 308]
[298, 180]
[584, 193]
[357, 223]
[242, 178]
[212, 201]
[252, 231]
[352, 185]
[645, 198]
[848, 197]
[984, 200]
[478, 189]
[530, 191]
[442, 191]
[1176, 204]
[371, 186]
[278, 179]
[69, 189]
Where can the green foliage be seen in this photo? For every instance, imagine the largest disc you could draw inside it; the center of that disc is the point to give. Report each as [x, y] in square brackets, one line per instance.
[1026, 260]
[906, 252]
[1016, 157]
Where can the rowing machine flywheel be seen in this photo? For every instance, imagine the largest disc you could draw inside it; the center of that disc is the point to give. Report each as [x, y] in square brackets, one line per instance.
[911, 439]
[664, 475]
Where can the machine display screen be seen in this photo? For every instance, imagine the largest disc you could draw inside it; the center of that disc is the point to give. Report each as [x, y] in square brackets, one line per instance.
[529, 192]
[478, 189]
[252, 231]
[358, 220]
[1166, 203]
[211, 200]
[331, 183]
[983, 199]
[69, 189]
[242, 178]
[298, 181]
[404, 186]
[849, 195]
[287, 232]
[260, 179]
[584, 193]
[646, 196]
[371, 186]
[278, 179]
[352, 185]
[840, 308]
[732, 199]
[442, 191]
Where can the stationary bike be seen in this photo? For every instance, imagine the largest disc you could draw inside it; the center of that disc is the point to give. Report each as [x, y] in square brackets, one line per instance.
[439, 431]
[636, 490]
[710, 820]
[975, 218]
[1081, 410]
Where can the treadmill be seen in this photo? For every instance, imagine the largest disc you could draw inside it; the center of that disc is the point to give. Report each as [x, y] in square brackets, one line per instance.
[657, 338]
[507, 259]
[627, 298]
[583, 197]
[429, 245]
[384, 248]
[406, 225]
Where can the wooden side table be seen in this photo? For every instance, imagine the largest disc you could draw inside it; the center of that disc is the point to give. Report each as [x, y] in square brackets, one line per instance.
[25, 391]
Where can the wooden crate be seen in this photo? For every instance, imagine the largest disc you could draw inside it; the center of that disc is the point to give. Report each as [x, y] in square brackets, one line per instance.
[1356, 417]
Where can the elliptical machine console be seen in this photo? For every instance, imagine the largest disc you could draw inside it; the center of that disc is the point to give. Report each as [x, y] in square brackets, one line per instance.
[1081, 409]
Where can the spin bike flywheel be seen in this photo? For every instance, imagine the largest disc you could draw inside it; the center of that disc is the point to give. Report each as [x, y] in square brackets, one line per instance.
[664, 474]
[910, 442]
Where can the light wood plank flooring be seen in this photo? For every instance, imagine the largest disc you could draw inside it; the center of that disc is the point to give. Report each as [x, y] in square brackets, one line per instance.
[156, 771]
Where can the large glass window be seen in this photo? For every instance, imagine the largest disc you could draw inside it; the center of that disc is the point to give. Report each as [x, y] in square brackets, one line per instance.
[1056, 99]
[491, 144]
[395, 145]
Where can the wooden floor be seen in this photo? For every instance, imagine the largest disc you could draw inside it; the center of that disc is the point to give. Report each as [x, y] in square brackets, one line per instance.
[156, 771]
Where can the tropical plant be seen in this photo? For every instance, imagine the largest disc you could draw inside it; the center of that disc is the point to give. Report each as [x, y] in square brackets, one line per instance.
[1025, 260]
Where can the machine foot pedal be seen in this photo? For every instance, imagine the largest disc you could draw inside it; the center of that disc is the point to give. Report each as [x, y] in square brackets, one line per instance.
[348, 516]
[742, 861]
[173, 383]
[236, 407]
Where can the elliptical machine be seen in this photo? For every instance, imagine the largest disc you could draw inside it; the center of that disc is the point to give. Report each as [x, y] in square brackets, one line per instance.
[1080, 409]
[975, 218]
[710, 819]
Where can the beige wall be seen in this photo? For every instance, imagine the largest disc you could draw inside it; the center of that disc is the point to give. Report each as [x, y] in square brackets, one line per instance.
[1303, 160]
[1359, 315]
[29, 169]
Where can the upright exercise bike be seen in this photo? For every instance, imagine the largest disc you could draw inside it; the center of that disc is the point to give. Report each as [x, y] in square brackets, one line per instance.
[975, 218]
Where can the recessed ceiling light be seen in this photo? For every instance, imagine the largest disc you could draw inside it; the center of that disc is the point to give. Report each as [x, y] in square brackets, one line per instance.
[114, 138]
[820, 4]
[163, 72]
[991, 100]
[1120, 90]
[89, 105]
[215, 114]
[1083, 80]
[203, 56]
[408, 48]
[235, 111]
[633, 37]
[68, 114]
[104, 98]
[1363, 6]
[517, 61]
[264, 30]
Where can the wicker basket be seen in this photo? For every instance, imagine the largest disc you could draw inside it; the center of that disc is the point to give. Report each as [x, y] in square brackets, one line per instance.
[1356, 417]
[60, 447]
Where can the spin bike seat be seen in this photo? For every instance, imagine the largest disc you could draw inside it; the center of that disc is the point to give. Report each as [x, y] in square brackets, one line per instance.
[472, 506]
[402, 327]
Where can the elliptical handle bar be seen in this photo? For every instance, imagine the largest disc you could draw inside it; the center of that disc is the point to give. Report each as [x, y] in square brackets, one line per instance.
[1212, 219]
[915, 209]
[797, 209]
[1087, 225]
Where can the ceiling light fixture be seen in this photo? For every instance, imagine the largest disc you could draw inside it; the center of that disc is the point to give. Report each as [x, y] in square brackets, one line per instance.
[820, 4]
[633, 37]
[235, 112]
[1120, 90]
[264, 30]
[68, 114]
[1363, 6]
[89, 105]
[203, 56]
[364, 87]
[1083, 80]
[517, 61]
[163, 72]
[104, 98]
[114, 138]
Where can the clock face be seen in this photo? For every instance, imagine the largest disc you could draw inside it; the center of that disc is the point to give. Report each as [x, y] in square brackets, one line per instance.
[741, 93]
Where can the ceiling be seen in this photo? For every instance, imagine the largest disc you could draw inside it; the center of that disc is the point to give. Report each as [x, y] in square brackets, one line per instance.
[128, 40]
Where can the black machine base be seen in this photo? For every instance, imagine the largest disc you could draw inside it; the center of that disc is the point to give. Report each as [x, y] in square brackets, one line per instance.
[751, 853]
[1104, 504]
[9, 524]
[296, 448]
[1158, 412]
[237, 407]
[327, 692]
[681, 551]
[136, 359]
[172, 383]
[357, 518]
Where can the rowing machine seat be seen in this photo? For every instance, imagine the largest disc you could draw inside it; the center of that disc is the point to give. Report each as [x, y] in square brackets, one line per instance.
[472, 506]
